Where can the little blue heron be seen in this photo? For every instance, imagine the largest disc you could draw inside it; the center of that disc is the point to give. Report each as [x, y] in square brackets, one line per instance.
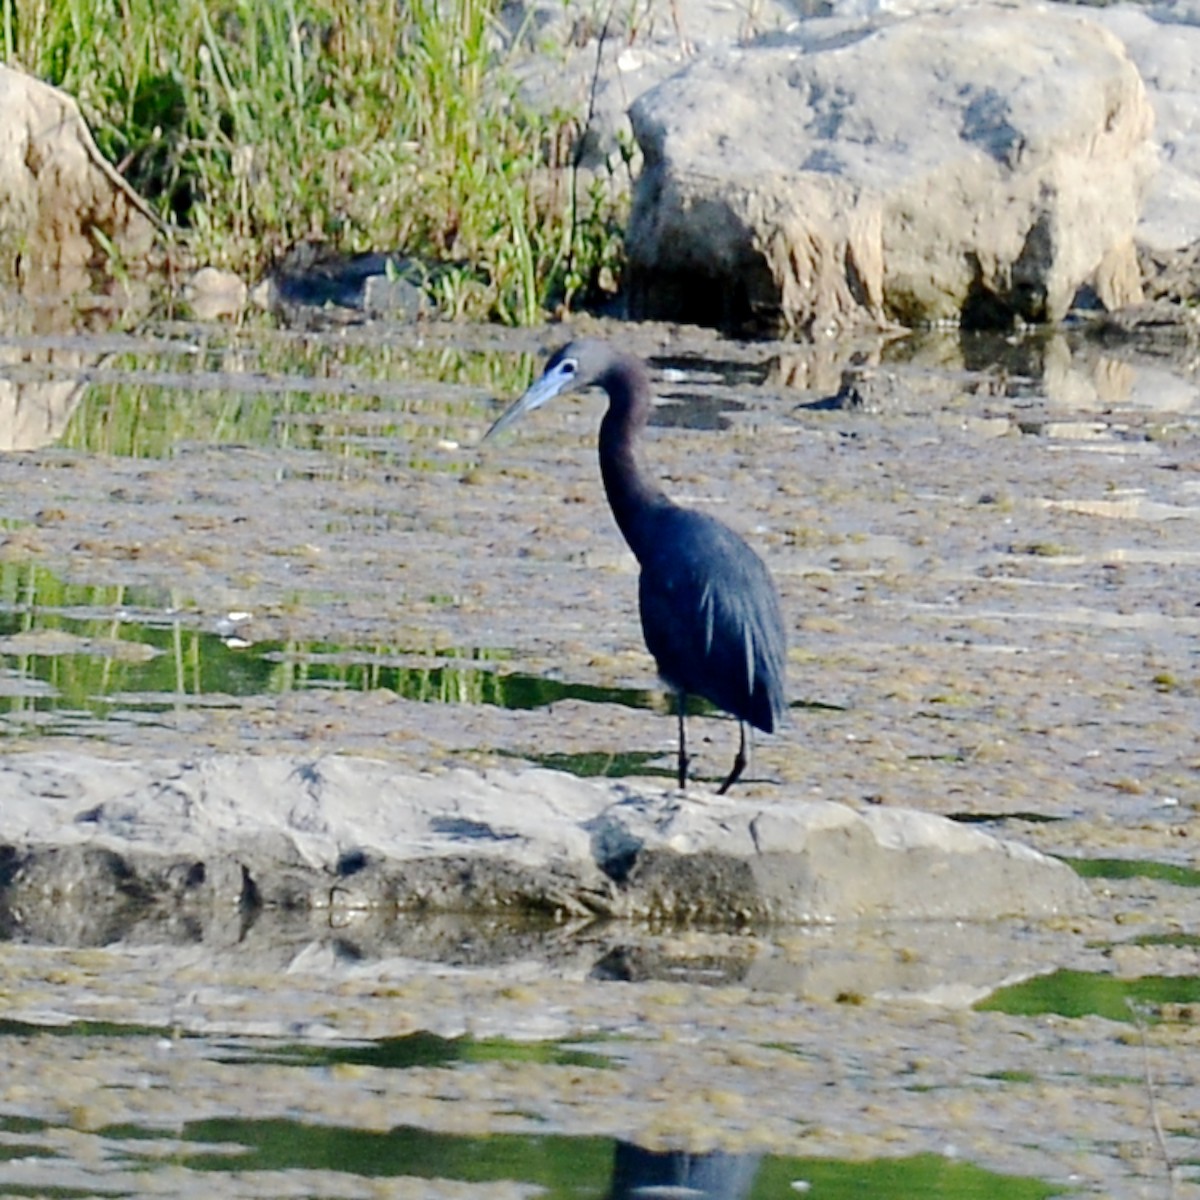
[710, 612]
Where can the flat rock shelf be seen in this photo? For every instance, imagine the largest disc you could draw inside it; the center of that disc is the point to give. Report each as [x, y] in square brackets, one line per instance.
[280, 831]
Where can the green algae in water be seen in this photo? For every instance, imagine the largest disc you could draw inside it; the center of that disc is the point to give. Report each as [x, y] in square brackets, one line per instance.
[419, 1050]
[74, 656]
[1082, 994]
[921, 1177]
[84, 1029]
[600, 764]
[14, 1128]
[398, 1053]
[1129, 868]
[609, 764]
[569, 1168]
[1186, 941]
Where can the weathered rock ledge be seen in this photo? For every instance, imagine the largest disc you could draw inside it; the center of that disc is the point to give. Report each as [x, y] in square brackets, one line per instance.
[228, 831]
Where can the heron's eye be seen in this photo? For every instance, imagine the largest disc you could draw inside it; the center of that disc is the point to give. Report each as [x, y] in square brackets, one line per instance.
[568, 366]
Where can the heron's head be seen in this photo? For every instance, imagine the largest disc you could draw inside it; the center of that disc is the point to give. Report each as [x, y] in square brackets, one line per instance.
[575, 366]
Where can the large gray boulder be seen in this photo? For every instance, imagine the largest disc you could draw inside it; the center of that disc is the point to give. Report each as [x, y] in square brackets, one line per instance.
[107, 841]
[573, 56]
[977, 164]
[1164, 43]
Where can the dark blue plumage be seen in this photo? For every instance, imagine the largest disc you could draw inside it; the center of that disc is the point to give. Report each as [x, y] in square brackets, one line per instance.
[710, 612]
[711, 618]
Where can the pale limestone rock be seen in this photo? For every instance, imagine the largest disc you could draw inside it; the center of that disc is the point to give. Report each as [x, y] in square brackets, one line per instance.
[346, 833]
[1164, 43]
[55, 189]
[976, 164]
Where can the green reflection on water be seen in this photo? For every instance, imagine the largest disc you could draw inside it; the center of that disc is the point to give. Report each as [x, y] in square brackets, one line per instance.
[1128, 868]
[422, 1050]
[353, 396]
[603, 764]
[68, 648]
[568, 1168]
[399, 1053]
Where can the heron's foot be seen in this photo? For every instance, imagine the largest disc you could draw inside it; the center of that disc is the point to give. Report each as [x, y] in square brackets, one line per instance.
[739, 763]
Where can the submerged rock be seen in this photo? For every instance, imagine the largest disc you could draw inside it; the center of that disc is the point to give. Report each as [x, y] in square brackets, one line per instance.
[105, 840]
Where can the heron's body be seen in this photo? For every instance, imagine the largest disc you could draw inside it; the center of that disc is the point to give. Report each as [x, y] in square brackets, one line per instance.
[710, 612]
[716, 634]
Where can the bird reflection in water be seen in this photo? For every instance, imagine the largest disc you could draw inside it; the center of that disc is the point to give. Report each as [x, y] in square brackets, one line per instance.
[716, 1175]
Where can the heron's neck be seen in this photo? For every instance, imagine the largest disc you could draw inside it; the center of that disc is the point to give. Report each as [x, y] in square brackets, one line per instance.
[632, 496]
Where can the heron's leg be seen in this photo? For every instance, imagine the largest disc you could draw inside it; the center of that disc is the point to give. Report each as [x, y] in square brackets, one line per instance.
[739, 763]
[681, 701]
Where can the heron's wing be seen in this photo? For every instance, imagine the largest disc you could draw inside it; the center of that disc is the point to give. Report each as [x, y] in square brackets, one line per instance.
[712, 618]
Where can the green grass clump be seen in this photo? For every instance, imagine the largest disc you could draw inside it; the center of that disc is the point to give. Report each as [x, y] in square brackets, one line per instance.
[254, 125]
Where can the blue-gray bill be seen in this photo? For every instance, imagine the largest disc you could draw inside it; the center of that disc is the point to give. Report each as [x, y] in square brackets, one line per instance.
[551, 384]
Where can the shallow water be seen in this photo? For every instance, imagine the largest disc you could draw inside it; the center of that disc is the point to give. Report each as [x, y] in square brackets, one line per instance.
[263, 540]
[230, 517]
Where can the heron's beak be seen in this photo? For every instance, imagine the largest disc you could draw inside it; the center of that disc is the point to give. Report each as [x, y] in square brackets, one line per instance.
[538, 393]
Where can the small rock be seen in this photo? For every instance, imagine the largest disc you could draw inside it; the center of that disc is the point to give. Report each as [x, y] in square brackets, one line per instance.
[212, 293]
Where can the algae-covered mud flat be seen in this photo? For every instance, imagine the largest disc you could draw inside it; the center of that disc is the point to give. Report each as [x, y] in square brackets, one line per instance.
[263, 544]
[295, 541]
